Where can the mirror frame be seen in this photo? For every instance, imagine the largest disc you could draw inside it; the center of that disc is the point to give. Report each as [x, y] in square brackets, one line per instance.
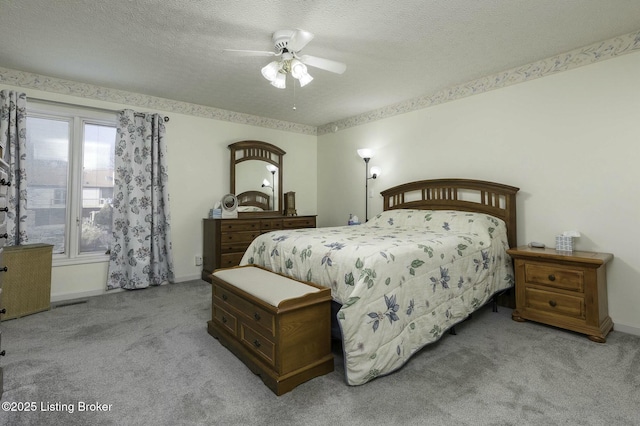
[262, 151]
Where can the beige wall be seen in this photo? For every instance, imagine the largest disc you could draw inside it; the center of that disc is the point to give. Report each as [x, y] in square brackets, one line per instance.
[198, 176]
[570, 142]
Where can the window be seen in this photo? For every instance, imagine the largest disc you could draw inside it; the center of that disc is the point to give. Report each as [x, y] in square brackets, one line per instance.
[70, 165]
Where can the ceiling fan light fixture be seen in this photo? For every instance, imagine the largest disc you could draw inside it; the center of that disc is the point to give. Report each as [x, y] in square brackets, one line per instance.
[298, 69]
[280, 81]
[299, 72]
[271, 70]
[305, 79]
[288, 44]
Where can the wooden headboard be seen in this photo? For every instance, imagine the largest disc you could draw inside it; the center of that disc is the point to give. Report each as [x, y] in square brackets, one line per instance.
[254, 199]
[457, 194]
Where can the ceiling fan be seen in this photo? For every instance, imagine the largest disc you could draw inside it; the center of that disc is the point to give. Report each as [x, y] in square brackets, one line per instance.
[288, 44]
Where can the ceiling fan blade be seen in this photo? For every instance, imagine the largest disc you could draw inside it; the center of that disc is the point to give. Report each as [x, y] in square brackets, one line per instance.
[323, 64]
[298, 40]
[249, 52]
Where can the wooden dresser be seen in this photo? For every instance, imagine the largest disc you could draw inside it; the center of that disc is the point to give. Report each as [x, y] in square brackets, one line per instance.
[4, 186]
[563, 289]
[226, 240]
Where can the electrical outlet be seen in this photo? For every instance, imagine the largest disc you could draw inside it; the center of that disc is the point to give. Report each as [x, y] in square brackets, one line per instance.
[198, 261]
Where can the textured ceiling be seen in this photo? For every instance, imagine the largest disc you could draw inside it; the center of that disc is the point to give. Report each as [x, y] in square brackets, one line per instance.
[394, 50]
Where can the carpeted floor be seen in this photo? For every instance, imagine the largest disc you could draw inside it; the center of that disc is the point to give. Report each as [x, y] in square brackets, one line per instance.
[145, 358]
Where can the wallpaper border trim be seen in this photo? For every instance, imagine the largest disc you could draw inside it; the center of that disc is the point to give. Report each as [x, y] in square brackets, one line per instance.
[587, 55]
[29, 80]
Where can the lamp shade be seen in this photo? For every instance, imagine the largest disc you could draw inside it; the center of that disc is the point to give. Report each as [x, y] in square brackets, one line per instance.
[375, 172]
[272, 168]
[365, 153]
[305, 79]
[298, 69]
[270, 71]
[265, 183]
[280, 81]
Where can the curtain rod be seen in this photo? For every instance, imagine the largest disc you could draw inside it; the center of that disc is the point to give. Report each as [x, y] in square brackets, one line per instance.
[47, 101]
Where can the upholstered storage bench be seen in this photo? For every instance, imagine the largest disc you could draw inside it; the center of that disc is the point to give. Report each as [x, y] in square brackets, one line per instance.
[279, 327]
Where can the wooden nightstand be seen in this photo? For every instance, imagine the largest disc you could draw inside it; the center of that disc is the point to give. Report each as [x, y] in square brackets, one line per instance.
[563, 289]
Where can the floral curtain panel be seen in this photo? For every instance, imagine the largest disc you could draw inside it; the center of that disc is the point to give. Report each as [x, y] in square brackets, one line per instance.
[13, 136]
[141, 253]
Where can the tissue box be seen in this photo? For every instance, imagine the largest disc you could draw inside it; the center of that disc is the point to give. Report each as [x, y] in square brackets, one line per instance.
[564, 243]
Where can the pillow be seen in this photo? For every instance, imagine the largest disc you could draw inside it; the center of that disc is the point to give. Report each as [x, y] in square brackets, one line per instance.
[438, 221]
[249, 209]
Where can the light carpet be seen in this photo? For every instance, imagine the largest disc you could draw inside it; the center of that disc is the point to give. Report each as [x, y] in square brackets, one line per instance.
[146, 358]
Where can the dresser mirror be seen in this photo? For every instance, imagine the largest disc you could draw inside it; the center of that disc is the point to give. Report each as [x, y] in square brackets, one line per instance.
[256, 178]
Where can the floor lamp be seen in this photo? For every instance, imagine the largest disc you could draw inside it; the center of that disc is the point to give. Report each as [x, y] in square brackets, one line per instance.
[265, 183]
[366, 155]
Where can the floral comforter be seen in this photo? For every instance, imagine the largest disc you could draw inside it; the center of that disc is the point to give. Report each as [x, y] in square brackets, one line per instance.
[403, 278]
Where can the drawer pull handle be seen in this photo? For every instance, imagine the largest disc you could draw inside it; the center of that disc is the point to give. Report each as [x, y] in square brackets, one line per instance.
[5, 269]
[256, 316]
[3, 353]
[224, 320]
[4, 182]
[552, 303]
[552, 277]
[5, 235]
[4, 209]
[224, 297]
[256, 343]
[3, 311]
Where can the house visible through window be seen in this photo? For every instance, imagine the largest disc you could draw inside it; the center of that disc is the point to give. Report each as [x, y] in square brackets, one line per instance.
[70, 166]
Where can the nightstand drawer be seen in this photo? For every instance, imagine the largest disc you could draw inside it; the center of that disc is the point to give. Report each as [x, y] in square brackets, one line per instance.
[556, 277]
[556, 303]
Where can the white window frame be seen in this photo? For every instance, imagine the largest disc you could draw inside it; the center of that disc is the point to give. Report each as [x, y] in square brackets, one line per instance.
[78, 116]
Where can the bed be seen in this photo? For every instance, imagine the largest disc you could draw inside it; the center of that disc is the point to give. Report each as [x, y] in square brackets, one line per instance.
[253, 201]
[434, 255]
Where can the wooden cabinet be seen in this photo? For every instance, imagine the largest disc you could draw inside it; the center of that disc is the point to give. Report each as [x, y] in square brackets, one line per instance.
[27, 281]
[226, 240]
[566, 290]
[4, 186]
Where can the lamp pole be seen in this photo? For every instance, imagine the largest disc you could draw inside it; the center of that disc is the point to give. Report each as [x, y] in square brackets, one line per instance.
[366, 189]
[273, 189]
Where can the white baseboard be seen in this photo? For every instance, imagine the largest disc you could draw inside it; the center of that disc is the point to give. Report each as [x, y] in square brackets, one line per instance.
[626, 329]
[188, 278]
[61, 297]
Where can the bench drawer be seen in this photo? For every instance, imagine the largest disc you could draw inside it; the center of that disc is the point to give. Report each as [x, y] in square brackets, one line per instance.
[254, 315]
[226, 319]
[258, 343]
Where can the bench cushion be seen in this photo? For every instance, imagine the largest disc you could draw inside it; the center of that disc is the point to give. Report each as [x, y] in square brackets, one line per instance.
[265, 285]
